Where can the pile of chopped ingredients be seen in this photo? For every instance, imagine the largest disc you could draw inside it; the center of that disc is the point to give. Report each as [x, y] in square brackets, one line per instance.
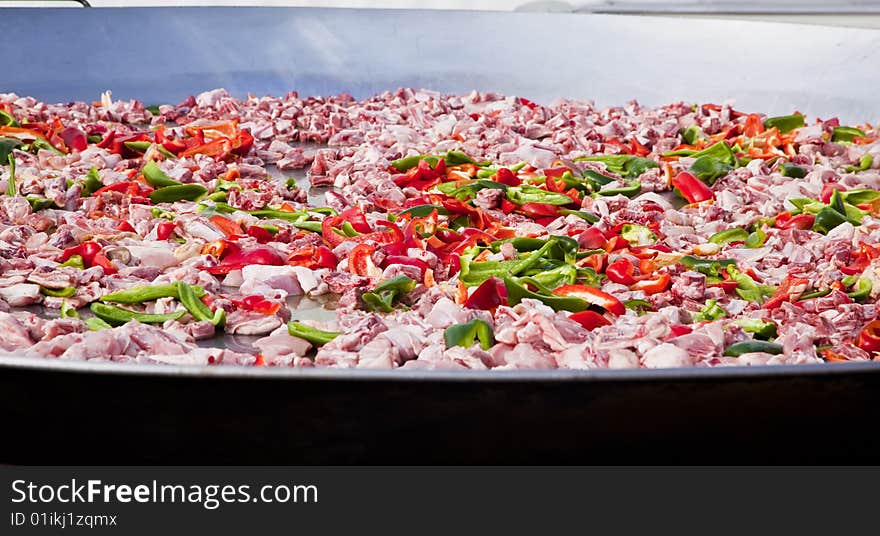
[455, 232]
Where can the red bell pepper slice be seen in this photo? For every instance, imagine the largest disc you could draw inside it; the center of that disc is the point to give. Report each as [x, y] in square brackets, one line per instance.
[621, 271]
[592, 238]
[789, 291]
[869, 337]
[615, 141]
[554, 185]
[408, 261]
[477, 217]
[637, 148]
[526, 102]
[555, 172]
[507, 206]
[505, 176]
[590, 320]
[360, 259]
[242, 143]
[261, 234]
[643, 252]
[124, 226]
[753, 126]
[828, 191]
[313, 257]
[353, 216]
[539, 210]
[258, 304]
[692, 188]
[653, 285]
[91, 255]
[616, 243]
[74, 138]
[801, 221]
[490, 294]
[421, 176]
[594, 296]
[164, 230]
[218, 149]
[726, 286]
[864, 257]
[234, 258]
[101, 260]
[115, 143]
[228, 227]
[86, 250]
[596, 262]
[678, 330]
[132, 188]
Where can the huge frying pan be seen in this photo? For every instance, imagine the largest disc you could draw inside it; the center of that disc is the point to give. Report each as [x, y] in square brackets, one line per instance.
[65, 412]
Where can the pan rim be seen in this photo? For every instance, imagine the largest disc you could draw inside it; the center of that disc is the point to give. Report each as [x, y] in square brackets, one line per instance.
[223, 372]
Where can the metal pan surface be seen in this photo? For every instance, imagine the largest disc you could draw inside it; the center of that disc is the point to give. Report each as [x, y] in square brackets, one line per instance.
[111, 413]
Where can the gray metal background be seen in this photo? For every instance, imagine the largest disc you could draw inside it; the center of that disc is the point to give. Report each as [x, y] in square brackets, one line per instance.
[165, 54]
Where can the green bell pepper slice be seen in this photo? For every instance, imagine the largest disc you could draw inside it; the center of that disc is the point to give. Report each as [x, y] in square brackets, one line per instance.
[156, 177]
[467, 334]
[145, 293]
[827, 219]
[92, 183]
[709, 169]
[792, 170]
[627, 166]
[96, 324]
[637, 235]
[748, 289]
[189, 298]
[710, 267]
[75, 261]
[180, 192]
[39, 203]
[58, 293]
[67, 311]
[691, 135]
[729, 235]
[382, 297]
[846, 134]
[517, 292]
[10, 186]
[6, 119]
[785, 123]
[316, 336]
[531, 194]
[117, 316]
[755, 239]
[858, 197]
[862, 290]
[744, 347]
[710, 312]
[760, 329]
[630, 190]
[864, 163]
[7, 145]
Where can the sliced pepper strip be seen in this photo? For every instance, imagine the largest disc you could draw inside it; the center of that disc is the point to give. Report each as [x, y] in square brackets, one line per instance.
[593, 296]
[467, 334]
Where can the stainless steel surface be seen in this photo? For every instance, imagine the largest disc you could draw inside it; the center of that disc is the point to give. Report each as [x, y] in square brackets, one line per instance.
[612, 59]
[821, 71]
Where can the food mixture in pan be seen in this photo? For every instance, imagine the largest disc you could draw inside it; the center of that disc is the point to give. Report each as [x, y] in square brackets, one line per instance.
[425, 231]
